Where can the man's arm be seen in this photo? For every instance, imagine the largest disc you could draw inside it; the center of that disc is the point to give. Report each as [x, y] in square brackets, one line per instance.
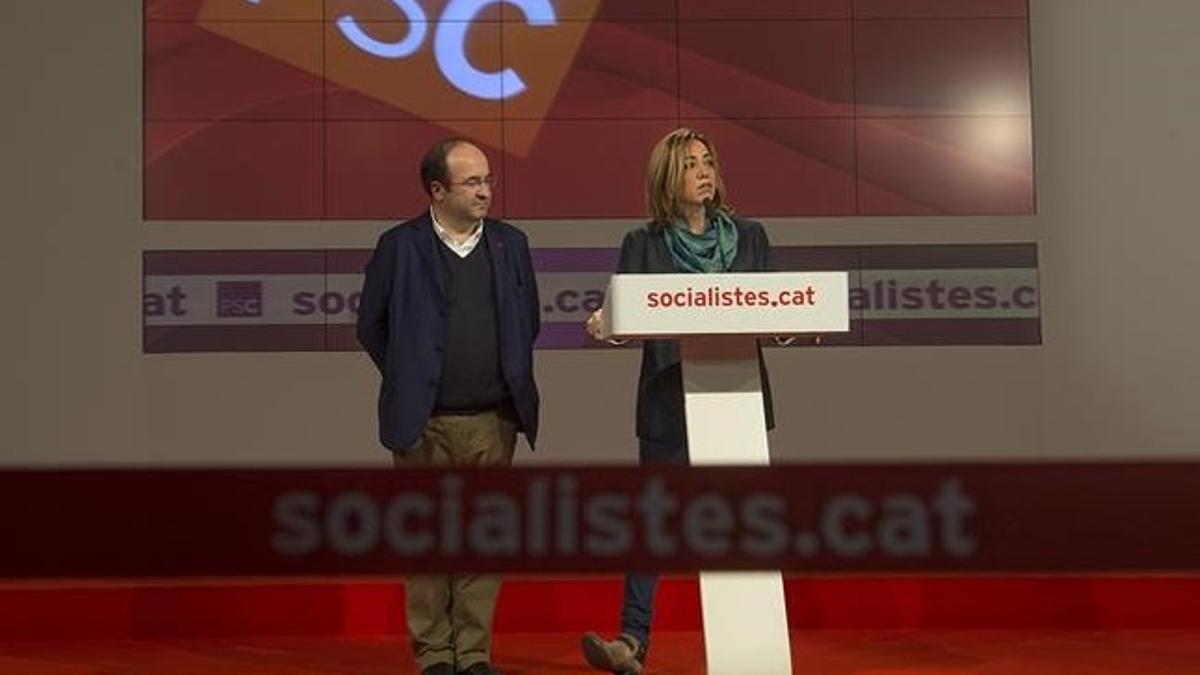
[530, 278]
[374, 306]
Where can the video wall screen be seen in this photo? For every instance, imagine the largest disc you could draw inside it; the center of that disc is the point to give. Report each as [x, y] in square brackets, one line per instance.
[320, 109]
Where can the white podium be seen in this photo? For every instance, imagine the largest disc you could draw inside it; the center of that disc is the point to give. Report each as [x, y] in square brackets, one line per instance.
[717, 319]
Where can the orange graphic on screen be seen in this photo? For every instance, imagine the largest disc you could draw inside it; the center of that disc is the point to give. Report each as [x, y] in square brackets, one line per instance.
[453, 62]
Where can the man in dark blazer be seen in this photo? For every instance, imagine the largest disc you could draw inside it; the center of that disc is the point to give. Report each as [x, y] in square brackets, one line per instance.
[449, 314]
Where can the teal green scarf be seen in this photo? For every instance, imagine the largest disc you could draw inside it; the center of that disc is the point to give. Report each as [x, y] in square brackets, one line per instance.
[710, 252]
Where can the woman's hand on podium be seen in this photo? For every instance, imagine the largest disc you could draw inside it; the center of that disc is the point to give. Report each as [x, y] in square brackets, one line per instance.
[595, 324]
[595, 328]
[785, 340]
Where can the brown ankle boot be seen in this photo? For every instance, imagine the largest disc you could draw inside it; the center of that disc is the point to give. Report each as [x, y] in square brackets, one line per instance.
[620, 655]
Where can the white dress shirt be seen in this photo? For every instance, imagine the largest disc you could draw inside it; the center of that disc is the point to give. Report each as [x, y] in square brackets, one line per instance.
[464, 249]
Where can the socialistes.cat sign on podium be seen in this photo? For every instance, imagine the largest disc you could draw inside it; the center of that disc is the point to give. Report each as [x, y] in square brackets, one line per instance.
[754, 303]
[718, 319]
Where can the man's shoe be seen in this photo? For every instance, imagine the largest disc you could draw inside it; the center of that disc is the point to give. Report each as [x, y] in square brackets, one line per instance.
[480, 668]
[438, 669]
[622, 655]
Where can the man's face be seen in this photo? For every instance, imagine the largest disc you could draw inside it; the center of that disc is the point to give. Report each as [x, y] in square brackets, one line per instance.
[699, 174]
[469, 192]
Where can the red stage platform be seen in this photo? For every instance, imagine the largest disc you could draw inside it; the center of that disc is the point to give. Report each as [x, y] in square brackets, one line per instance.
[840, 625]
[978, 652]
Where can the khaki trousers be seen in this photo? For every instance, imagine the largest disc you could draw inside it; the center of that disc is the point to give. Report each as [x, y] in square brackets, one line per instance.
[450, 616]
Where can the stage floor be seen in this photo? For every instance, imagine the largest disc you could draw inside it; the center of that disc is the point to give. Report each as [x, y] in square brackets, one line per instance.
[974, 652]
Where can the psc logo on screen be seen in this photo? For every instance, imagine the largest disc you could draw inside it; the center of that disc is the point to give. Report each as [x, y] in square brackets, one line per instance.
[239, 299]
[449, 42]
[453, 67]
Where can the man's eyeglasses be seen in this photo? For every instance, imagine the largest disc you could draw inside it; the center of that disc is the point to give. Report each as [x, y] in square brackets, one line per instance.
[476, 182]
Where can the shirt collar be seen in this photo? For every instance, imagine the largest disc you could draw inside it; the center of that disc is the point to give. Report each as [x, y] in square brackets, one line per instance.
[464, 249]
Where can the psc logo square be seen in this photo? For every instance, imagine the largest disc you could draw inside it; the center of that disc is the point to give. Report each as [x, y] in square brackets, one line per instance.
[239, 299]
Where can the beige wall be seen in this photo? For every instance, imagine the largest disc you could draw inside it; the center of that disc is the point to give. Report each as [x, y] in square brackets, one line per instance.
[1117, 147]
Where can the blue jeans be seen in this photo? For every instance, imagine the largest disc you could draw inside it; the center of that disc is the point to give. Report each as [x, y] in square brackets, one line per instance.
[638, 609]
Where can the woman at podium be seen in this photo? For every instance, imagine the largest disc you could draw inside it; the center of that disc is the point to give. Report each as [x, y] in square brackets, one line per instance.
[692, 229]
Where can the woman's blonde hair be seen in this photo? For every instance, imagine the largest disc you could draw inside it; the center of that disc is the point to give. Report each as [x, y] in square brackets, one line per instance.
[664, 175]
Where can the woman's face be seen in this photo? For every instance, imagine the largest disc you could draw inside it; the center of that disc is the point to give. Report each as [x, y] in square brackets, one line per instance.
[699, 174]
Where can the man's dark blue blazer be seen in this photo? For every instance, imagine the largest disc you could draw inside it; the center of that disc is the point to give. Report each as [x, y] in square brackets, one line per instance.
[402, 324]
